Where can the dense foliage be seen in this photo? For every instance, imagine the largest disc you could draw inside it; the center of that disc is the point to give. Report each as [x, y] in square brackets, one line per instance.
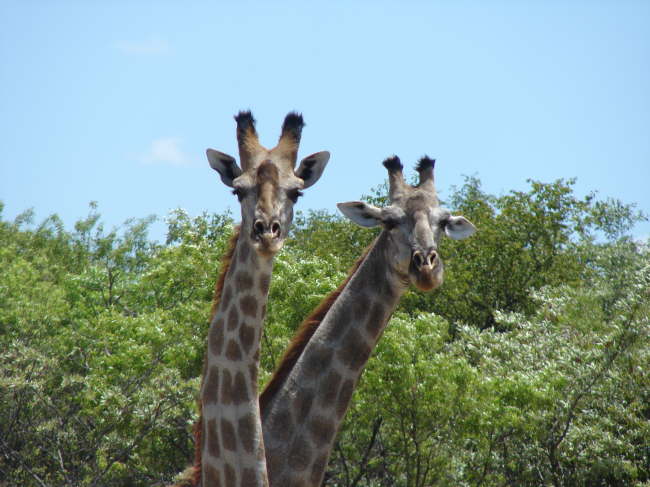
[528, 367]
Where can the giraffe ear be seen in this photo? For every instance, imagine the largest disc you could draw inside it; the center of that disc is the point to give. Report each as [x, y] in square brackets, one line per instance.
[224, 164]
[311, 167]
[459, 227]
[361, 213]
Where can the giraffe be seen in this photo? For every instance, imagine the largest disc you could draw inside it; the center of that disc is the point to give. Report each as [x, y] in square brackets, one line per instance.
[230, 448]
[305, 401]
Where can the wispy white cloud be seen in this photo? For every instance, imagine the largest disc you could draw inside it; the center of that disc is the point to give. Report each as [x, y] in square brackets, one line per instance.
[166, 150]
[151, 46]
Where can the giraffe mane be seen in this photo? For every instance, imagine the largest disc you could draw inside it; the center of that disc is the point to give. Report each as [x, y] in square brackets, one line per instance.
[299, 341]
[191, 476]
[225, 265]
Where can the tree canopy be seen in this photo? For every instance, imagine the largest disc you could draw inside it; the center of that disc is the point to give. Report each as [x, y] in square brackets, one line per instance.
[529, 366]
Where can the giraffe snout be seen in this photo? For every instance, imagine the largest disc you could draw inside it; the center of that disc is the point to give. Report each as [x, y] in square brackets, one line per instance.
[267, 236]
[426, 269]
[266, 229]
[422, 260]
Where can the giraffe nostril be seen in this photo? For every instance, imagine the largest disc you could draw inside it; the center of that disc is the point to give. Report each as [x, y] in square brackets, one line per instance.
[258, 227]
[275, 229]
[431, 257]
[418, 260]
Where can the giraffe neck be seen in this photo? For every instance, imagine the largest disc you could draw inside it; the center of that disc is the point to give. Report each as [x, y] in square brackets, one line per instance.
[232, 448]
[301, 419]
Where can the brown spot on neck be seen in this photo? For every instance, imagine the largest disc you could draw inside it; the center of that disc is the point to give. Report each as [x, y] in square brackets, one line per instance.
[264, 283]
[226, 387]
[226, 296]
[214, 448]
[299, 456]
[233, 318]
[248, 477]
[231, 475]
[228, 436]
[248, 305]
[318, 468]
[302, 404]
[282, 425]
[247, 336]
[331, 387]
[243, 252]
[247, 432]
[322, 430]
[354, 351]
[212, 476]
[376, 319]
[345, 394]
[243, 282]
[216, 337]
[240, 389]
[233, 352]
[211, 394]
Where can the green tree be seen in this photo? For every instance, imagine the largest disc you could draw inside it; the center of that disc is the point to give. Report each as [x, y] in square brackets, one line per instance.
[101, 344]
[557, 398]
[528, 366]
[526, 240]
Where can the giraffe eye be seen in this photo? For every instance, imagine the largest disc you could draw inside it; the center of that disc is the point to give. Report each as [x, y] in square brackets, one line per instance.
[294, 194]
[239, 193]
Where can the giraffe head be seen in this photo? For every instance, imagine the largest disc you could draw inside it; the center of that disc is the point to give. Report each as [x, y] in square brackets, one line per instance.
[415, 223]
[267, 183]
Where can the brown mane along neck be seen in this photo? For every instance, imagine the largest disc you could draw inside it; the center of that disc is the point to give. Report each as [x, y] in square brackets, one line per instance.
[225, 266]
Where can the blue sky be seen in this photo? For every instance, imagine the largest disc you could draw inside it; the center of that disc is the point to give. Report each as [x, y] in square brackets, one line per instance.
[116, 102]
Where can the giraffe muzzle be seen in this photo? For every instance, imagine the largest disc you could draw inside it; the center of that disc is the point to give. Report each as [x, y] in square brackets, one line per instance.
[421, 260]
[426, 269]
[267, 236]
[262, 229]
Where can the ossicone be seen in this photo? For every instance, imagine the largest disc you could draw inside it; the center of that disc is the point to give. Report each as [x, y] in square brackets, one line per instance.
[425, 169]
[245, 120]
[292, 126]
[393, 164]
